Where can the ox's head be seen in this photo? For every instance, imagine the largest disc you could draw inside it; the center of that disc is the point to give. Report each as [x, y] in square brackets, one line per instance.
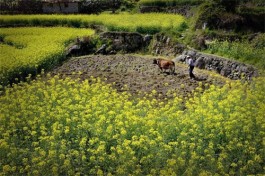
[155, 61]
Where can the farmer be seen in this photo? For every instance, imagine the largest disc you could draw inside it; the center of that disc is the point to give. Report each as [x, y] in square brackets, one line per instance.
[191, 67]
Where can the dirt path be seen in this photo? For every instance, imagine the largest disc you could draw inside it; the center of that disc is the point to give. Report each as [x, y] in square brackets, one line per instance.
[137, 72]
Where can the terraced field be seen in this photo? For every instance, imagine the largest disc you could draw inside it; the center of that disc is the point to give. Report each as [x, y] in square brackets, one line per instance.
[137, 74]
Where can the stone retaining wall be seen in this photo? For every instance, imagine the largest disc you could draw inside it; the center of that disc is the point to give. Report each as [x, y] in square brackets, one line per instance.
[228, 68]
[164, 45]
[126, 42]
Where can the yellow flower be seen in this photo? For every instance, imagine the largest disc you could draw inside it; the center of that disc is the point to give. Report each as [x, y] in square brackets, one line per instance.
[67, 129]
[120, 171]
[6, 168]
[100, 172]
[55, 170]
[171, 162]
[66, 163]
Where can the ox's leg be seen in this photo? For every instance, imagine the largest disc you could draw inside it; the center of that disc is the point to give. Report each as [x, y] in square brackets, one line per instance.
[169, 70]
[161, 69]
[172, 70]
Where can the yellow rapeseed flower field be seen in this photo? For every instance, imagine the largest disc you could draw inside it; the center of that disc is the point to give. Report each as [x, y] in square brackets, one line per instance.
[26, 49]
[64, 127]
[144, 23]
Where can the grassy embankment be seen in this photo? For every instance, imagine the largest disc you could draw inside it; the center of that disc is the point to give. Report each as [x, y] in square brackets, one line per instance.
[244, 51]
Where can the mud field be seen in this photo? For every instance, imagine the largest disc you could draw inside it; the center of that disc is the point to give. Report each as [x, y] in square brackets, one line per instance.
[136, 74]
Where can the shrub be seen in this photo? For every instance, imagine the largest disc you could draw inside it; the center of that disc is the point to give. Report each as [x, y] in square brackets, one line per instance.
[208, 12]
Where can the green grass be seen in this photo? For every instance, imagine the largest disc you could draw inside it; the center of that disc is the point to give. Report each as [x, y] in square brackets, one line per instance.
[241, 51]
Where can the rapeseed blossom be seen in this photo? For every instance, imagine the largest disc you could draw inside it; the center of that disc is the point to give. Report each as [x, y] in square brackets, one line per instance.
[27, 49]
[144, 23]
[64, 127]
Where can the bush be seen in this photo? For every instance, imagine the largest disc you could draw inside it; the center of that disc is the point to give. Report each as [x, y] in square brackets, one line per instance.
[208, 13]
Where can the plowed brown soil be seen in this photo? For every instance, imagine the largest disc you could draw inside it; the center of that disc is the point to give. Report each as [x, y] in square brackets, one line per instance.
[136, 74]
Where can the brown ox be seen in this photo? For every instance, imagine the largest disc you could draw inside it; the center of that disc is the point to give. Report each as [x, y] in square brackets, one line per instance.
[165, 64]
